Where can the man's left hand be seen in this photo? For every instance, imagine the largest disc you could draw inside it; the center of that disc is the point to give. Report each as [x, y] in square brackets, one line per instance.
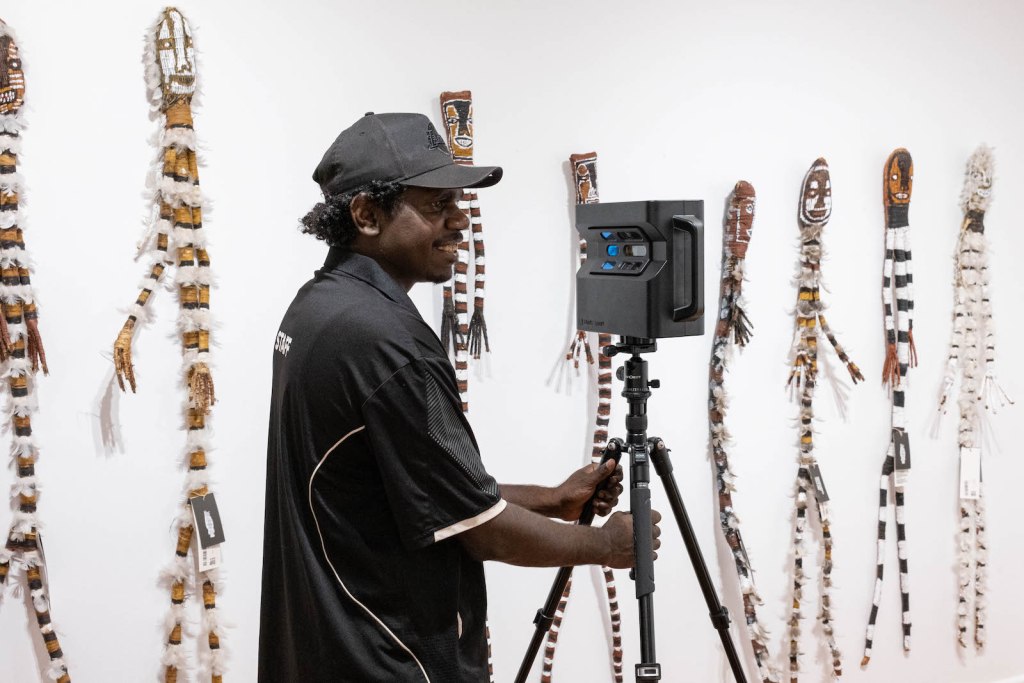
[575, 491]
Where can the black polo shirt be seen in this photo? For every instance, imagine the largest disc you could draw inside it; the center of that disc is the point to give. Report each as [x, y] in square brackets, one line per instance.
[372, 468]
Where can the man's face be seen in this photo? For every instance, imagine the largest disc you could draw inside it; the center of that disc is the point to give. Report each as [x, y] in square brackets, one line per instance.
[12, 78]
[419, 243]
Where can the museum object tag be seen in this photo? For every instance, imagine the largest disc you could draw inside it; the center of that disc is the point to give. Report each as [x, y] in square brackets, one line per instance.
[209, 533]
[901, 453]
[970, 473]
[819, 485]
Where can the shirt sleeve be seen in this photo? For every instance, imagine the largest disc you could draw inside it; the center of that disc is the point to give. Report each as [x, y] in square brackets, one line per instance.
[429, 461]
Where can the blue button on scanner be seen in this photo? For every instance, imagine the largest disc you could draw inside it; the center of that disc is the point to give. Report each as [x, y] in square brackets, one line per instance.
[607, 234]
[607, 265]
[613, 250]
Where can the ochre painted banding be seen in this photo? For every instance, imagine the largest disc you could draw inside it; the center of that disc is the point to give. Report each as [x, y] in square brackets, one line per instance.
[188, 295]
[184, 538]
[186, 256]
[170, 160]
[183, 215]
[209, 595]
[178, 592]
[197, 459]
[196, 419]
[175, 637]
[179, 114]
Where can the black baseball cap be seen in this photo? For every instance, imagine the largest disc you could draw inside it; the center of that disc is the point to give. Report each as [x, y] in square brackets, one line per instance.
[400, 147]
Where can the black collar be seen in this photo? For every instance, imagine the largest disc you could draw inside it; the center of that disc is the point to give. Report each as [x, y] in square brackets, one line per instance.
[369, 271]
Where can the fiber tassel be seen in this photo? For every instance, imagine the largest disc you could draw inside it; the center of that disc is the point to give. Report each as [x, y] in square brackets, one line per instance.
[449, 323]
[478, 333]
[200, 387]
[36, 352]
[913, 348]
[5, 338]
[124, 370]
[891, 368]
[739, 325]
[579, 346]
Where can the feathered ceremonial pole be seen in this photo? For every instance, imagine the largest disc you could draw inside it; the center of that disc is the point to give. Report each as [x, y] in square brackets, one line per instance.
[21, 356]
[733, 326]
[178, 229]
[814, 211]
[973, 341]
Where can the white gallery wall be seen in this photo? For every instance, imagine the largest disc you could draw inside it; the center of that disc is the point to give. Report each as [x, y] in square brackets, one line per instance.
[680, 100]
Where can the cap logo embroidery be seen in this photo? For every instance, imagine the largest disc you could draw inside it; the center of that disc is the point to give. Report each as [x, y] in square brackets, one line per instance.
[434, 141]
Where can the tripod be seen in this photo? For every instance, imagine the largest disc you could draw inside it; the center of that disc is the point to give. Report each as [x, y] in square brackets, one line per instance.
[642, 451]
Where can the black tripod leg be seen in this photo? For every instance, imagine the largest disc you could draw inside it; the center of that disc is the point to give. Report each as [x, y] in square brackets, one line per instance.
[718, 613]
[546, 614]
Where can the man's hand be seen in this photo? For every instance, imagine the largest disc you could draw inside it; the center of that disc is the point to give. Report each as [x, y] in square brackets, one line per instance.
[574, 492]
[619, 532]
[519, 536]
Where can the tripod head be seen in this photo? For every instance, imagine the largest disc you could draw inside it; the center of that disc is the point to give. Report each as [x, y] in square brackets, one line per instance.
[636, 387]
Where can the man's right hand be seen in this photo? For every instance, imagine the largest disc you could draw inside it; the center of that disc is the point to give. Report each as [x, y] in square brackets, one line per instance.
[618, 531]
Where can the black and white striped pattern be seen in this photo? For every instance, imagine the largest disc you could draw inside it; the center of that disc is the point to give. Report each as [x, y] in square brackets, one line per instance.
[897, 277]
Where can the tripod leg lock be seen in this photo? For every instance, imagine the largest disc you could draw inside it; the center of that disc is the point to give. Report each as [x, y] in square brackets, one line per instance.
[659, 456]
[720, 619]
[543, 621]
[648, 672]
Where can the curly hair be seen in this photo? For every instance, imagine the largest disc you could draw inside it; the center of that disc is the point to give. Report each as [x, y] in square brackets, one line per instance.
[331, 220]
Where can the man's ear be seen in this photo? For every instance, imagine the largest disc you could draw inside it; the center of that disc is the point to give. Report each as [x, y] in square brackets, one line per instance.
[365, 215]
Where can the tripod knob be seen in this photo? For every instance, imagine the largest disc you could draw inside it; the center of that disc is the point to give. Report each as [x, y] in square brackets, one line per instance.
[654, 383]
[621, 373]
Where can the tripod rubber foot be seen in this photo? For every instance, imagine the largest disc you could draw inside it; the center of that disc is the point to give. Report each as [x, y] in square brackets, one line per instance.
[648, 672]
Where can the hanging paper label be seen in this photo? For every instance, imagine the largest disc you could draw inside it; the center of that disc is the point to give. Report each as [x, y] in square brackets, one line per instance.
[901, 454]
[209, 533]
[970, 473]
[819, 484]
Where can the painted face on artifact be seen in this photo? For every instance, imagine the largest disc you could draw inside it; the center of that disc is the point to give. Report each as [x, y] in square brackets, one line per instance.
[585, 170]
[12, 78]
[740, 220]
[816, 200]
[978, 184]
[457, 108]
[176, 56]
[899, 178]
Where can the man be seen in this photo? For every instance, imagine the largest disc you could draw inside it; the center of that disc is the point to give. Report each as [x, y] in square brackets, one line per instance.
[379, 510]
